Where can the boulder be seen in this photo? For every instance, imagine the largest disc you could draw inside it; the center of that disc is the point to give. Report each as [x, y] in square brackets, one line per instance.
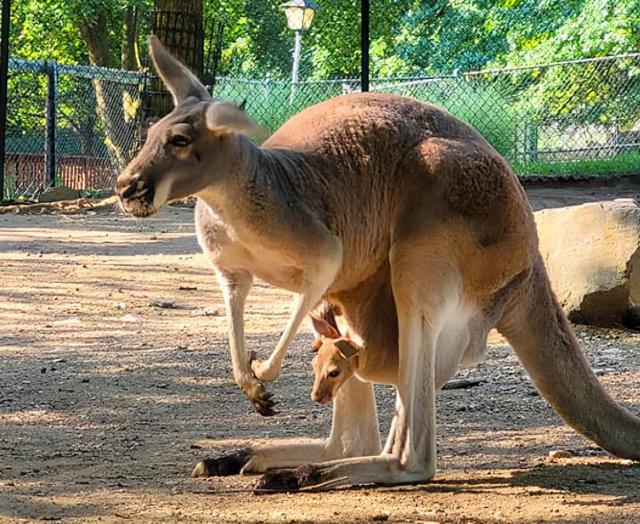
[592, 254]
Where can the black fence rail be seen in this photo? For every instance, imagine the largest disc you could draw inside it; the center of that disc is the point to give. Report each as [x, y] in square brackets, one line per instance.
[79, 125]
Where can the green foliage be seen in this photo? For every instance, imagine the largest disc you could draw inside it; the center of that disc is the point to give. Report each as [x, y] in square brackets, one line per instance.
[409, 38]
[48, 29]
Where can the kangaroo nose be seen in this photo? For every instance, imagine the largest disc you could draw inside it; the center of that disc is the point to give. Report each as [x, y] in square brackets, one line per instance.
[127, 190]
[127, 185]
[132, 187]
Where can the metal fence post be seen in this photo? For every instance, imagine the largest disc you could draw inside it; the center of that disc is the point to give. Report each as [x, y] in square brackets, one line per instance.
[4, 71]
[364, 45]
[50, 69]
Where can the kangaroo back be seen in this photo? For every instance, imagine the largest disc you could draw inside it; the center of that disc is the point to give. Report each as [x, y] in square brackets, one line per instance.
[537, 328]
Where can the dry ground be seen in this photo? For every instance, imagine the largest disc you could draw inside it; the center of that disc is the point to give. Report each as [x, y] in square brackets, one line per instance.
[107, 400]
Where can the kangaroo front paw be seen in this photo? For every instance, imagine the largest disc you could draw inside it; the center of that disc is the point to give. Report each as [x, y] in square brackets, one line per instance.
[225, 464]
[261, 399]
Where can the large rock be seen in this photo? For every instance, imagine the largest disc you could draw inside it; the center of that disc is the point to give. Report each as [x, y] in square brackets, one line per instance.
[592, 254]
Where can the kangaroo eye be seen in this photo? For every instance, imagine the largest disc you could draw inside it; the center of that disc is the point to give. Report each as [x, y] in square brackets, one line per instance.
[334, 373]
[180, 140]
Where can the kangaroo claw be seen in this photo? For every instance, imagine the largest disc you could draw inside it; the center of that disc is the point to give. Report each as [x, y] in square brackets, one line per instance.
[262, 401]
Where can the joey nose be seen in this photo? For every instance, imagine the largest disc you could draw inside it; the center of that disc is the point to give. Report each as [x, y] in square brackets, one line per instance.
[321, 398]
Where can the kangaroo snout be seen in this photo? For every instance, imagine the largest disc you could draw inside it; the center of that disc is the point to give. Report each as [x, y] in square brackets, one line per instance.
[321, 397]
[136, 194]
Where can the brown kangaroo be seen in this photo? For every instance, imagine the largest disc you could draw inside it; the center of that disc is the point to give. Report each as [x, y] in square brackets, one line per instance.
[356, 196]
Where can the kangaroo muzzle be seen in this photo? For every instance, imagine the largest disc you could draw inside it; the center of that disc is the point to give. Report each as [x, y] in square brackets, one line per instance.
[136, 195]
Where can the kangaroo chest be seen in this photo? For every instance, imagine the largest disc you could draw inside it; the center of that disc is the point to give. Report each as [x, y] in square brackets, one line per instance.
[229, 251]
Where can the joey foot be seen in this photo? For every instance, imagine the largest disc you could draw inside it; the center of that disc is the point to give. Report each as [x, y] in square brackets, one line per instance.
[224, 464]
[261, 400]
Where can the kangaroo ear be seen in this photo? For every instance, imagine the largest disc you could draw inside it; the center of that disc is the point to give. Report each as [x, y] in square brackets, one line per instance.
[180, 82]
[317, 344]
[323, 327]
[347, 349]
[226, 117]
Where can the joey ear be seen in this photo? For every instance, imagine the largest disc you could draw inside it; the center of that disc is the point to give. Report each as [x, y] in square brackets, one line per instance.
[180, 82]
[323, 327]
[317, 344]
[347, 349]
[226, 117]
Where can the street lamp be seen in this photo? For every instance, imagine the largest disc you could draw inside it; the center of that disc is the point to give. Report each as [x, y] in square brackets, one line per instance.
[299, 15]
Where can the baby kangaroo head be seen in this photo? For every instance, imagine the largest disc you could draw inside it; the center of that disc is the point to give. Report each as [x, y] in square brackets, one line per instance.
[186, 150]
[335, 361]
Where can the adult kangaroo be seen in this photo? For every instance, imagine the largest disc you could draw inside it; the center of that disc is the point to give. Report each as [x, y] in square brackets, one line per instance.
[360, 195]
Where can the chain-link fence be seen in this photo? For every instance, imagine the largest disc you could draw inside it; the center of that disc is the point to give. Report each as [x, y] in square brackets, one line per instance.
[567, 118]
[78, 126]
[69, 125]
[577, 118]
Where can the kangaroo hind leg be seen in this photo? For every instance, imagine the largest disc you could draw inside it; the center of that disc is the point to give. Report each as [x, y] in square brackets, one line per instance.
[354, 432]
[423, 292]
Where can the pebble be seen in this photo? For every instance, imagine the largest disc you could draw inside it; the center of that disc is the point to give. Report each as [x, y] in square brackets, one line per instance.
[558, 454]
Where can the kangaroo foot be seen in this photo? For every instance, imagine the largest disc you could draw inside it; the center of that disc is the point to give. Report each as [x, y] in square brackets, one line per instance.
[225, 464]
[289, 480]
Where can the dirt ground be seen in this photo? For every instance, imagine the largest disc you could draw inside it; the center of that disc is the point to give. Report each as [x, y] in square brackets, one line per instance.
[107, 399]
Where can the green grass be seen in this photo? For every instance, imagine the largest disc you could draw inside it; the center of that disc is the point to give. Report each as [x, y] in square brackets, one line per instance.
[623, 164]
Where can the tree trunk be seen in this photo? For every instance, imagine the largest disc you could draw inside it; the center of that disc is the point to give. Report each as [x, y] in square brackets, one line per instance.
[130, 55]
[111, 93]
[95, 33]
[179, 26]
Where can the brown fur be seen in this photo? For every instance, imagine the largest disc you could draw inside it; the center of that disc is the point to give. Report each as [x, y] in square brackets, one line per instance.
[405, 218]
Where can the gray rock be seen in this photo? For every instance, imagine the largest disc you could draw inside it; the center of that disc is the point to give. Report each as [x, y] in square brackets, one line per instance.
[592, 254]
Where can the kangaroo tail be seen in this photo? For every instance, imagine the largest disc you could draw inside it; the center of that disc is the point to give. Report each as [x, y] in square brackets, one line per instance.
[537, 328]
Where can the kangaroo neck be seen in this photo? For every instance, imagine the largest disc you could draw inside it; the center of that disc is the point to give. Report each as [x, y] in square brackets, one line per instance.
[257, 186]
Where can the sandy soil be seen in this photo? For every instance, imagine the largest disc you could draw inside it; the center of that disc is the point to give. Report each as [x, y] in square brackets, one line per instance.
[108, 400]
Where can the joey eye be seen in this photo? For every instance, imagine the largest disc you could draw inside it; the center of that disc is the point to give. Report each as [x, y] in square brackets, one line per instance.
[180, 140]
[334, 373]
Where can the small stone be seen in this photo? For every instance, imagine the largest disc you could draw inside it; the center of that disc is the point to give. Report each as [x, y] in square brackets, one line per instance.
[164, 304]
[206, 312]
[558, 454]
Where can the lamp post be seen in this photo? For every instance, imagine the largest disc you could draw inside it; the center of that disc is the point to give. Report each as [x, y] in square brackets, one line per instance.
[299, 15]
